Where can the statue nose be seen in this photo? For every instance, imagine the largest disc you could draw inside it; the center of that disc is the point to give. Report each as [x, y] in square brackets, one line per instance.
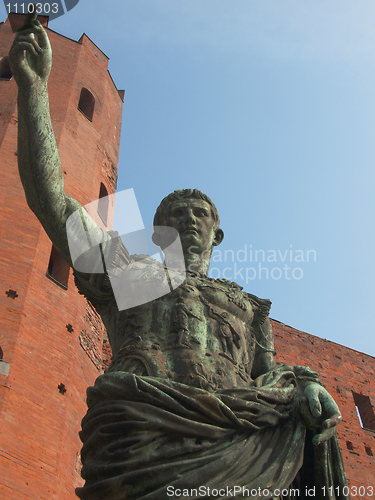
[190, 218]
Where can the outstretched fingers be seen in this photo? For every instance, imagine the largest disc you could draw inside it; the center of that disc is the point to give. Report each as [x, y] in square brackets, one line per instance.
[31, 17]
[19, 63]
[41, 35]
[333, 421]
[315, 406]
[329, 425]
[323, 436]
[26, 41]
[32, 24]
[30, 54]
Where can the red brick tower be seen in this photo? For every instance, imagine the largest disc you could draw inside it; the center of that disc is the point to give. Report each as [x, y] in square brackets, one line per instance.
[50, 338]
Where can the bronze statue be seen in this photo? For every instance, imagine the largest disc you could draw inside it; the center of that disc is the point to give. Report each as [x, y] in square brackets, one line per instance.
[194, 403]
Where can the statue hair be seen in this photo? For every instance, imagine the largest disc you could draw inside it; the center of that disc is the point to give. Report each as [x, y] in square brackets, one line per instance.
[181, 194]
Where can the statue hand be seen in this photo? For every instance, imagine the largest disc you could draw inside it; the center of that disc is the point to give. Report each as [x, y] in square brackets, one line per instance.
[30, 55]
[320, 412]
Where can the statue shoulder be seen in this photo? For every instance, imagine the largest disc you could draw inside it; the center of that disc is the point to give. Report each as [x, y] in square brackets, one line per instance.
[96, 287]
[235, 292]
[261, 308]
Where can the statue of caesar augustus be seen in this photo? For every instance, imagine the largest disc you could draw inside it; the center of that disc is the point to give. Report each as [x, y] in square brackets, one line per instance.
[193, 403]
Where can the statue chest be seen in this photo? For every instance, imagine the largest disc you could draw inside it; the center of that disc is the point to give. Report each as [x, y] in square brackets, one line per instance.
[199, 334]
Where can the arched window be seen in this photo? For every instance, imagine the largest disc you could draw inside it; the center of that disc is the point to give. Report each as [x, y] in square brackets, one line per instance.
[103, 203]
[86, 103]
[5, 71]
[58, 269]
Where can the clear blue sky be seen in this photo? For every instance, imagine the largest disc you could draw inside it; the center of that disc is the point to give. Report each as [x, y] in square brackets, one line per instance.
[269, 108]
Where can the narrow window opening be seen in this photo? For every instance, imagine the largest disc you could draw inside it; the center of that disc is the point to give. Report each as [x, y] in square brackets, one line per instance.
[103, 203]
[58, 269]
[86, 103]
[1, 354]
[5, 71]
[349, 445]
[69, 328]
[365, 411]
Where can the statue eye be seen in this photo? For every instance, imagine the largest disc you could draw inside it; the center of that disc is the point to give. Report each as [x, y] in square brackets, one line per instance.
[201, 212]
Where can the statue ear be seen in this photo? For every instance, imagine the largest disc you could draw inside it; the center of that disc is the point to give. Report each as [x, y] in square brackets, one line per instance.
[219, 236]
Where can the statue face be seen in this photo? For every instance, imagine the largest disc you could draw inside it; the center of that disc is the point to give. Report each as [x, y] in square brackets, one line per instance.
[195, 223]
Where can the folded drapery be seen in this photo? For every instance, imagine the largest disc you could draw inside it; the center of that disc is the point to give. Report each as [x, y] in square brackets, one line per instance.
[148, 438]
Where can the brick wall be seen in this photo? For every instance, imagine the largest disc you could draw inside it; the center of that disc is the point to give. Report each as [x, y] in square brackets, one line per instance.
[50, 337]
[343, 372]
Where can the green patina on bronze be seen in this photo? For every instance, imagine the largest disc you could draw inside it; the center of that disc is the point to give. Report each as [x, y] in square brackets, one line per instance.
[193, 396]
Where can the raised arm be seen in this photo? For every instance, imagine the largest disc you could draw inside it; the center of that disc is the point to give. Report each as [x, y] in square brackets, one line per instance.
[38, 158]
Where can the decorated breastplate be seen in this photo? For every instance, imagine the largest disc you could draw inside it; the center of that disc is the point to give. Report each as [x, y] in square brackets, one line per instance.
[199, 334]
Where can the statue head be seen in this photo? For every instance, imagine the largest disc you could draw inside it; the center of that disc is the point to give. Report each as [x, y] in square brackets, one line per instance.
[195, 217]
[183, 194]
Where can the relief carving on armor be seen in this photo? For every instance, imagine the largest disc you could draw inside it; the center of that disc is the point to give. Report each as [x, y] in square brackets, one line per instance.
[180, 326]
[230, 340]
